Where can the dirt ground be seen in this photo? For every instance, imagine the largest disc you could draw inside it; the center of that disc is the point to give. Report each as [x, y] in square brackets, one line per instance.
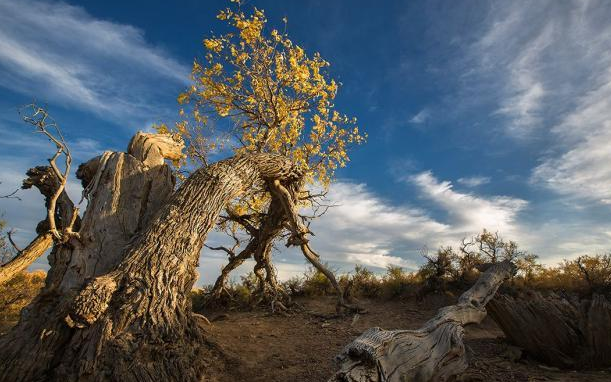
[301, 347]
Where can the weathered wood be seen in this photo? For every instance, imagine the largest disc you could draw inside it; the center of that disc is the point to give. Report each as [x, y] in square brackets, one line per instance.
[46, 181]
[559, 331]
[435, 352]
[121, 202]
[26, 257]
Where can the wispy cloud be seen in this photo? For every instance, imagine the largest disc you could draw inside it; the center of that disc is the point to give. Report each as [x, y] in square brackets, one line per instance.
[583, 168]
[61, 53]
[551, 62]
[421, 117]
[474, 181]
[469, 213]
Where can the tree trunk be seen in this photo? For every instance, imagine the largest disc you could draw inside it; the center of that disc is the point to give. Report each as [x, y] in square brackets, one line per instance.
[133, 321]
[563, 332]
[434, 352]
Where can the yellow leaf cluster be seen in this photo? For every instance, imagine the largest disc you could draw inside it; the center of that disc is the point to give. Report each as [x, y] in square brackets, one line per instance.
[267, 95]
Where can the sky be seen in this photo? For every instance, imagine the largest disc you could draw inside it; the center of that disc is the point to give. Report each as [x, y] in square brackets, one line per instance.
[480, 114]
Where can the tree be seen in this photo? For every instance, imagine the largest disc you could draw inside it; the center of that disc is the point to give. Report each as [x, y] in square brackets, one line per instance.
[255, 91]
[438, 268]
[118, 293]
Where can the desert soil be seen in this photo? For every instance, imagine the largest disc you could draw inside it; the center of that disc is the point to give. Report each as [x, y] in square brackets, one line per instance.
[301, 347]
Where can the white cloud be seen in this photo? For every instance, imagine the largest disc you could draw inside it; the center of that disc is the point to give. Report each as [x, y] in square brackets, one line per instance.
[583, 167]
[61, 53]
[474, 181]
[365, 229]
[469, 213]
[422, 116]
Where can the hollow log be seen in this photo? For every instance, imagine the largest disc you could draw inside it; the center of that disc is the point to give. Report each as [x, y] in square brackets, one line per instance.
[435, 352]
[117, 307]
[562, 331]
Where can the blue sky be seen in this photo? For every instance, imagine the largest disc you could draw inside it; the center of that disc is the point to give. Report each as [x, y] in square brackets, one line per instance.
[480, 114]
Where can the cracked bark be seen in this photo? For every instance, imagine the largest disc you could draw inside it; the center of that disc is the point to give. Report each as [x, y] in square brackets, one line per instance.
[566, 332]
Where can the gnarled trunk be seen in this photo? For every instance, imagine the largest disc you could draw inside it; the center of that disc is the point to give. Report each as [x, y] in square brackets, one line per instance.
[132, 321]
[434, 352]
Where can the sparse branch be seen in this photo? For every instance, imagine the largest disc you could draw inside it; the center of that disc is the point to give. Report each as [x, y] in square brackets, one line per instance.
[39, 117]
[9, 234]
[12, 195]
[298, 238]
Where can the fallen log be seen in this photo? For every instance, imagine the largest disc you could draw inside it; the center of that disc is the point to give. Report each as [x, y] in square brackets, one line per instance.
[565, 332]
[435, 352]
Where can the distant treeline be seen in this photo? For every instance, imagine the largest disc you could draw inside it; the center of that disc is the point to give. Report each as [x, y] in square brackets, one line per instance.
[448, 270]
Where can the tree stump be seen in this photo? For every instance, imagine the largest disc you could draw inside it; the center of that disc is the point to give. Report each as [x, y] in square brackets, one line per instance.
[559, 331]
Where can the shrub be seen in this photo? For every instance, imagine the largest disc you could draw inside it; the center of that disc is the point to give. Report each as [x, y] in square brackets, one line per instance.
[16, 294]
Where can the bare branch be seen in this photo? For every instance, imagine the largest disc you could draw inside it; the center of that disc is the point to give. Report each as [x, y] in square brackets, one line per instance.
[39, 117]
[9, 234]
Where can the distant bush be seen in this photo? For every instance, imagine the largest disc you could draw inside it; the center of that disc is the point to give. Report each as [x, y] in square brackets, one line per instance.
[17, 293]
[446, 271]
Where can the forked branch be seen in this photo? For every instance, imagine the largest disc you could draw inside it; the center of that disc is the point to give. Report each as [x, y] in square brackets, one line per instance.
[39, 117]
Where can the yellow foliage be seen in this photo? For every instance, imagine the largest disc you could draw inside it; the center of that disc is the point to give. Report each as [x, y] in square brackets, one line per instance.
[265, 94]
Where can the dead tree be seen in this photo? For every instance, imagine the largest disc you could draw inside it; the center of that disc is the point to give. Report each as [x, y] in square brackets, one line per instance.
[435, 352]
[116, 303]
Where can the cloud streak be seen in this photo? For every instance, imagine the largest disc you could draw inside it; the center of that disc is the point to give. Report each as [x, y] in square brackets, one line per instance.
[60, 52]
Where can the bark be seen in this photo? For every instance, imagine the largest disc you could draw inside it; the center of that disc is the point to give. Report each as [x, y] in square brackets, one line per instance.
[435, 352]
[120, 309]
[559, 331]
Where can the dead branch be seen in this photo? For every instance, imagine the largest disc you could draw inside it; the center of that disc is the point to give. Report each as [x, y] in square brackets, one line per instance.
[39, 117]
[298, 238]
[435, 352]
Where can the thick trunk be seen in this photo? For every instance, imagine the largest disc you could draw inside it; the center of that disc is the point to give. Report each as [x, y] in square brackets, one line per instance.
[563, 332]
[133, 321]
[434, 352]
[119, 187]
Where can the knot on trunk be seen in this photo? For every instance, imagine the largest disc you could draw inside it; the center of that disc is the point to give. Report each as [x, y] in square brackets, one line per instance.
[91, 302]
[152, 149]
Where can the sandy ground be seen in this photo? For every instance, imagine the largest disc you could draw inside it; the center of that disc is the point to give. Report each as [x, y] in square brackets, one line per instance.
[301, 347]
